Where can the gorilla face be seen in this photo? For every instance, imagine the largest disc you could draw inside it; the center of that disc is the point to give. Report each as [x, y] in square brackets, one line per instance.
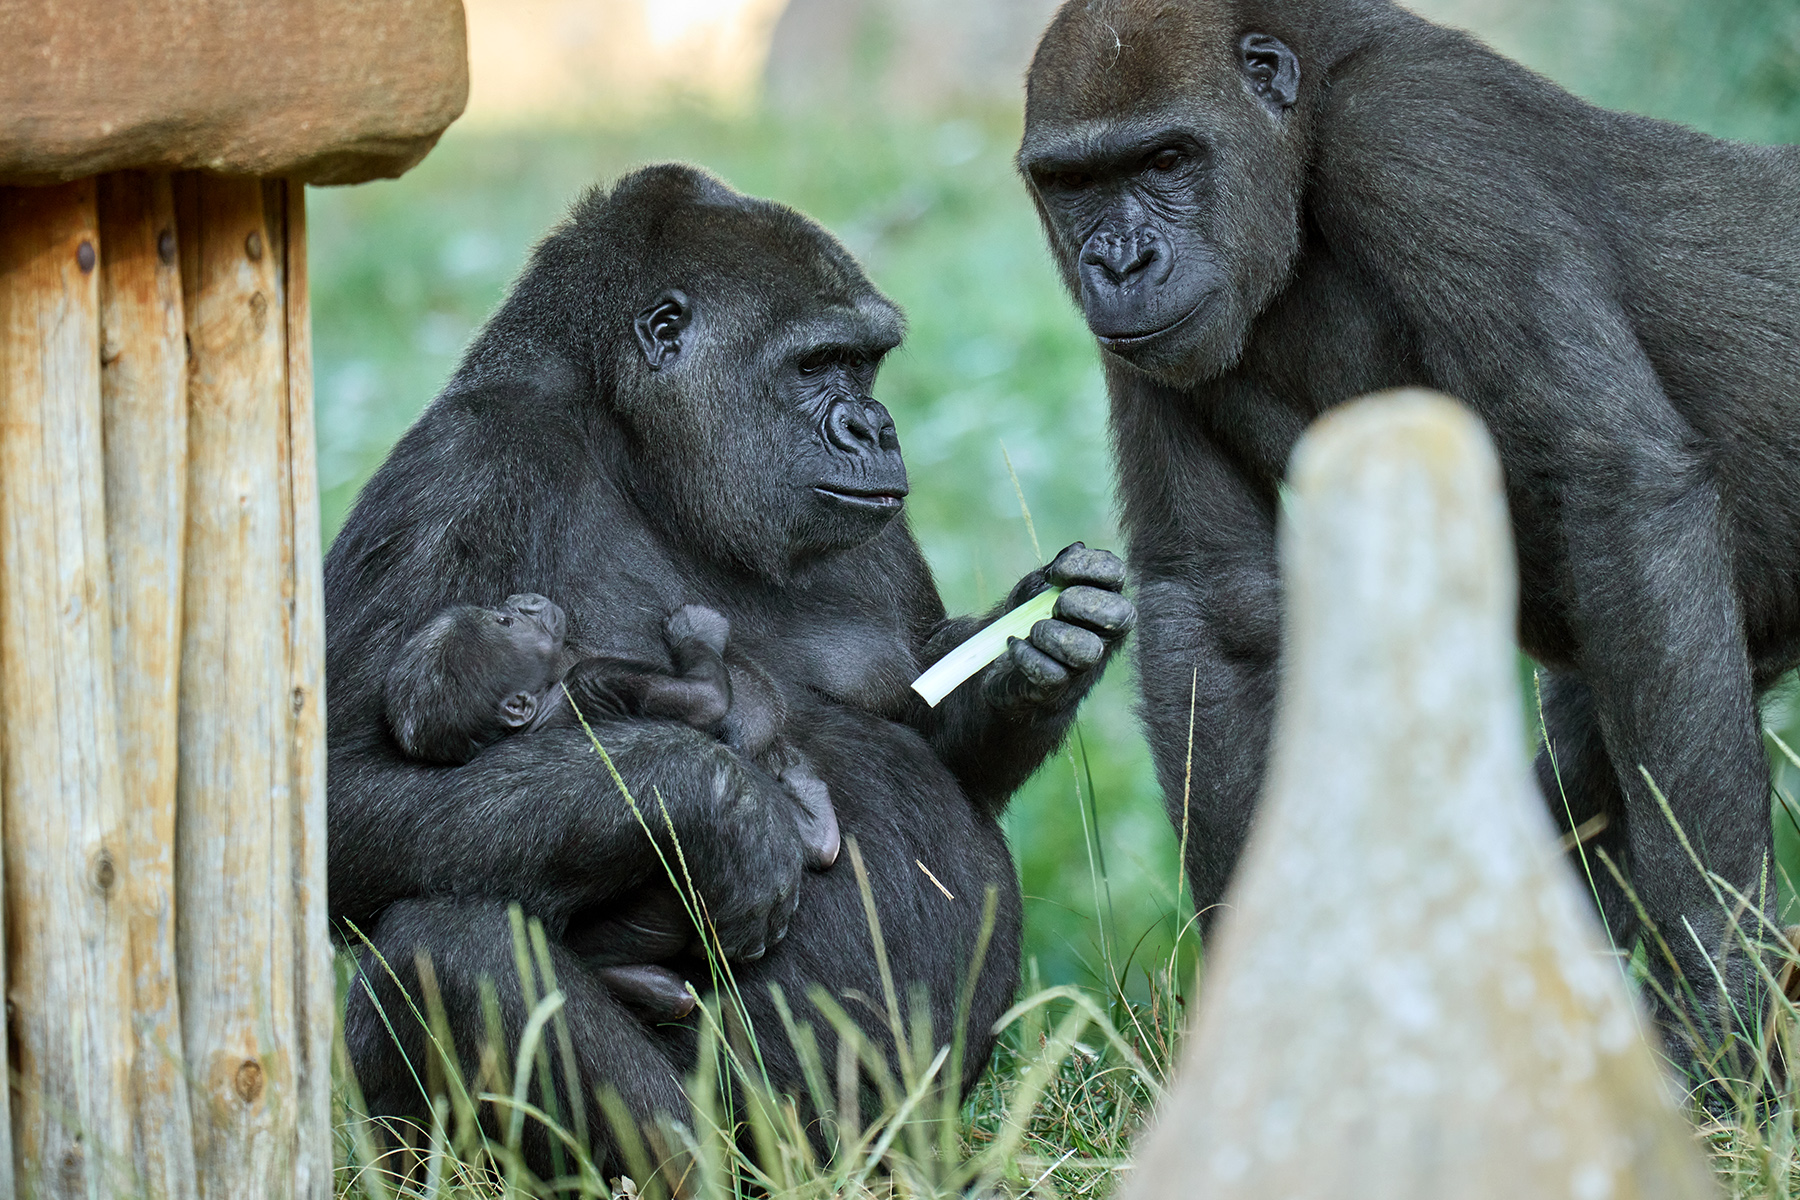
[784, 450]
[474, 673]
[1171, 207]
[521, 653]
[848, 479]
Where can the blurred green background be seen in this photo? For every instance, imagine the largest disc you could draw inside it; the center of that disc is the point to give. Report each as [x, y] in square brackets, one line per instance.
[996, 366]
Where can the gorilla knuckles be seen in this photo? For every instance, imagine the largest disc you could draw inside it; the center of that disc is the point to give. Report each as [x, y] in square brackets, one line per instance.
[806, 391]
[1058, 659]
[1174, 220]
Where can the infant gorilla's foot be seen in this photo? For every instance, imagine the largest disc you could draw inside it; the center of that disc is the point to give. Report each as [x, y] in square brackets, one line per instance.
[654, 993]
[816, 820]
[699, 693]
[695, 623]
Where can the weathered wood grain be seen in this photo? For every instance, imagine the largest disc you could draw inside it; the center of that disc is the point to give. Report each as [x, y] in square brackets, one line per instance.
[236, 912]
[1409, 998]
[69, 965]
[329, 91]
[143, 393]
[312, 942]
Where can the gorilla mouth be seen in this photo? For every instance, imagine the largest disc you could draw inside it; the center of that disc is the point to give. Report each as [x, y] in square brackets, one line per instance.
[875, 500]
[1116, 340]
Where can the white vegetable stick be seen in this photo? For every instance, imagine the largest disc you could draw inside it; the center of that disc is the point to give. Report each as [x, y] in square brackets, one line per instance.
[950, 671]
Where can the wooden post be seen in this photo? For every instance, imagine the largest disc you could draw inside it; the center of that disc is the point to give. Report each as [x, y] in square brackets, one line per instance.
[237, 916]
[68, 945]
[168, 974]
[1409, 998]
[143, 392]
[317, 998]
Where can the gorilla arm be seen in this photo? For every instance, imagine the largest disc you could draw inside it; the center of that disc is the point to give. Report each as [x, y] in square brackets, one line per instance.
[995, 730]
[538, 819]
[1202, 539]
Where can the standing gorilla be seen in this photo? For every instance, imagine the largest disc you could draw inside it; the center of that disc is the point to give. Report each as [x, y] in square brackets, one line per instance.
[1267, 206]
[671, 408]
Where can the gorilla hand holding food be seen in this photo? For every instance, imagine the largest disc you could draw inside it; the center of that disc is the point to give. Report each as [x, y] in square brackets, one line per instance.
[673, 408]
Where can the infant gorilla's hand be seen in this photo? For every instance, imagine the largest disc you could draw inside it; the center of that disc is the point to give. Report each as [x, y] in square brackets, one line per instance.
[816, 819]
[747, 858]
[1060, 658]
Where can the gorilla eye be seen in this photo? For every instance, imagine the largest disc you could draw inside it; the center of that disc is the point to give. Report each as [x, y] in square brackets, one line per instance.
[1071, 180]
[1166, 160]
[504, 619]
[815, 364]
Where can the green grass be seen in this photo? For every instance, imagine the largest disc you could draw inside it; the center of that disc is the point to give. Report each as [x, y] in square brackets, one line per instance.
[1076, 1076]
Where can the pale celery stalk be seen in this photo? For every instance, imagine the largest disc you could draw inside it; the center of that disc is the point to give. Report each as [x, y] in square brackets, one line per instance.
[951, 670]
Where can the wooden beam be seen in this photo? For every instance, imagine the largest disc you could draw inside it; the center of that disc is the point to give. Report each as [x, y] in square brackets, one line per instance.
[143, 393]
[69, 965]
[235, 853]
[328, 91]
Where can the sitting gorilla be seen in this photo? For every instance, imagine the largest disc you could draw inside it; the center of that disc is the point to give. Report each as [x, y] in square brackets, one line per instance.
[672, 407]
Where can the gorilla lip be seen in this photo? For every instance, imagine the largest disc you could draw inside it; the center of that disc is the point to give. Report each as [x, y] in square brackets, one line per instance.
[1111, 340]
[878, 500]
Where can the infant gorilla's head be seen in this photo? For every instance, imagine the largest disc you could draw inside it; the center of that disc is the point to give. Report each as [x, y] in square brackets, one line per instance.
[473, 675]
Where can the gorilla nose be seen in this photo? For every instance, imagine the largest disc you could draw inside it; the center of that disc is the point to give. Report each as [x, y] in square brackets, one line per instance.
[1122, 255]
[858, 426]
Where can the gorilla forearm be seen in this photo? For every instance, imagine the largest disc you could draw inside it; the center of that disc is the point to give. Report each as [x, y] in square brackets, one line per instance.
[1208, 708]
[1654, 600]
[539, 820]
[992, 751]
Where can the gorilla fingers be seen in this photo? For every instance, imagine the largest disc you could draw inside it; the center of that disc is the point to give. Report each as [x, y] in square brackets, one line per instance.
[1056, 664]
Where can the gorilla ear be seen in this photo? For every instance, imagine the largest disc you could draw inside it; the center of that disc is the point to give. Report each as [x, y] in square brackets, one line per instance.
[659, 328]
[518, 709]
[1273, 69]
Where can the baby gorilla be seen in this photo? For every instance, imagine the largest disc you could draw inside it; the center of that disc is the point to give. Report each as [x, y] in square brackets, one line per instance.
[475, 674]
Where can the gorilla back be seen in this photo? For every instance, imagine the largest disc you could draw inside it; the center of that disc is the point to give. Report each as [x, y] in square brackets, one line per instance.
[672, 407]
[1265, 207]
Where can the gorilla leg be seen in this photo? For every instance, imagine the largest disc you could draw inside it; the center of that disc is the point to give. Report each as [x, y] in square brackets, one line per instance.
[1582, 790]
[465, 943]
[625, 946]
[1584, 785]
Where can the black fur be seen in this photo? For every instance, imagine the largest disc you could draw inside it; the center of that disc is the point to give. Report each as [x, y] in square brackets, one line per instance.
[477, 673]
[672, 408]
[473, 674]
[1268, 206]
